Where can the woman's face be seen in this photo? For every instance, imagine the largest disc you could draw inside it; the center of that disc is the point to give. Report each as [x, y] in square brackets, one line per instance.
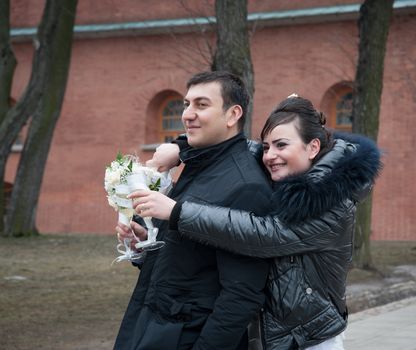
[285, 153]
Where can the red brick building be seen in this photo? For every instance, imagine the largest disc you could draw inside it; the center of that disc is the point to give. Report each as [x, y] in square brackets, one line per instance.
[130, 62]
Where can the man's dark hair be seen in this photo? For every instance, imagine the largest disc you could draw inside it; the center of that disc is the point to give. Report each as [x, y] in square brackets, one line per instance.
[233, 90]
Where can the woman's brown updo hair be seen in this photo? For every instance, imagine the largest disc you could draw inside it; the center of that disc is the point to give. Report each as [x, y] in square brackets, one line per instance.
[310, 122]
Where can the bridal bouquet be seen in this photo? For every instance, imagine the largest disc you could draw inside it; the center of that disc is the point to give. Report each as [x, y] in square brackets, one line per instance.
[120, 176]
[123, 176]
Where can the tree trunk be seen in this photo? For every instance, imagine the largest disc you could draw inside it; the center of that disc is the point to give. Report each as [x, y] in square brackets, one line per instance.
[374, 23]
[50, 73]
[7, 59]
[233, 46]
[7, 67]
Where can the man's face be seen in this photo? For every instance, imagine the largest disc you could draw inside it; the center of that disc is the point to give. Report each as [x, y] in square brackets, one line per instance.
[205, 121]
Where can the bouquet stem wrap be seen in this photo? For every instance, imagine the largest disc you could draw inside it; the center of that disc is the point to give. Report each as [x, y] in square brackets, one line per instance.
[123, 176]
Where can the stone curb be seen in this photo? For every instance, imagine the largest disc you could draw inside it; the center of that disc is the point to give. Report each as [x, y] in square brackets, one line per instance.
[361, 300]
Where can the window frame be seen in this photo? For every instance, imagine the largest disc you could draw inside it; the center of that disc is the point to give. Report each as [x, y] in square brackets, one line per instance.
[332, 97]
[166, 135]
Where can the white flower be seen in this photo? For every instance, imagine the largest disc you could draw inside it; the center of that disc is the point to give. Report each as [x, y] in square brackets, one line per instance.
[114, 177]
[152, 175]
[136, 167]
[118, 170]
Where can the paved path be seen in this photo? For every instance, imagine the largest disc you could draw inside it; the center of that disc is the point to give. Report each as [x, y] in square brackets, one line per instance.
[388, 327]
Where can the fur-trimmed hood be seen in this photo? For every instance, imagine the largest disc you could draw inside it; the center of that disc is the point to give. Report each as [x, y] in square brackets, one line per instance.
[348, 171]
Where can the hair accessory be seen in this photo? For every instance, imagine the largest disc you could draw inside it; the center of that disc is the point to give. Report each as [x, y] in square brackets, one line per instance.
[293, 95]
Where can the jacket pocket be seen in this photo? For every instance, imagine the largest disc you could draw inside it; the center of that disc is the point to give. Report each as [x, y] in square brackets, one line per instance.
[160, 334]
[291, 296]
[325, 325]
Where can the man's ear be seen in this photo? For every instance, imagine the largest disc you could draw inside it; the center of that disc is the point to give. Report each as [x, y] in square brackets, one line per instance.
[234, 114]
[314, 148]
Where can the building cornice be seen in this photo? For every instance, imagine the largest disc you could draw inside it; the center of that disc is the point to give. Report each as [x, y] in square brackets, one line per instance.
[186, 25]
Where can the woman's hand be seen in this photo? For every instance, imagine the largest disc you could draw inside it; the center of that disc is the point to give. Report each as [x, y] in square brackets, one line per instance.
[132, 233]
[152, 204]
[165, 158]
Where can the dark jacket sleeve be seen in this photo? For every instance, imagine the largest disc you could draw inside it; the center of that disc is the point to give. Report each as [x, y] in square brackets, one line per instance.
[258, 236]
[242, 280]
[309, 207]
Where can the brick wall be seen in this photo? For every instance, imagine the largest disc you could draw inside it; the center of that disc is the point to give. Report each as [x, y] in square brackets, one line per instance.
[26, 13]
[113, 80]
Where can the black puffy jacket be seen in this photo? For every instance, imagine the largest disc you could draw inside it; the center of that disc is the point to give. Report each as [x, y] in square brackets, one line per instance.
[200, 296]
[310, 236]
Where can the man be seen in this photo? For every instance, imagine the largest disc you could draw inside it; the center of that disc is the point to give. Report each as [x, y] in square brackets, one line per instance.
[190, 295]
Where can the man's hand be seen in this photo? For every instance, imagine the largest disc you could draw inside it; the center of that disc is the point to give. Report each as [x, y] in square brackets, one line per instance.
[152, 203]
[165, 158]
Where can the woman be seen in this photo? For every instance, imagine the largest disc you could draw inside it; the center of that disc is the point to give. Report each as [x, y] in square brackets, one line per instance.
[317, 181]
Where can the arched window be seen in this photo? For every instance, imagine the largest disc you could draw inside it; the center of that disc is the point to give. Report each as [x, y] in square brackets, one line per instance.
[163, 119]
[343, 111]
[337, 105]
[171, 119]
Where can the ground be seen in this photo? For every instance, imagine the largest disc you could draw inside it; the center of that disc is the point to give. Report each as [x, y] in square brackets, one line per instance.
[71, 297]
[61, 291]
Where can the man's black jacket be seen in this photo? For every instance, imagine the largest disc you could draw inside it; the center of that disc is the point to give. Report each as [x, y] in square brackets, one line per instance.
[195, 291]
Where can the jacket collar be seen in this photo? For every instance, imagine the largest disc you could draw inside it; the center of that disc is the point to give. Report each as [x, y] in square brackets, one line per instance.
[197, 155]
[348, 171]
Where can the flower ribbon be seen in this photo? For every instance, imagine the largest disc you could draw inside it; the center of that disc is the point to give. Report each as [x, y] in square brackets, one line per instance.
[127, 253]
[122, 202]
